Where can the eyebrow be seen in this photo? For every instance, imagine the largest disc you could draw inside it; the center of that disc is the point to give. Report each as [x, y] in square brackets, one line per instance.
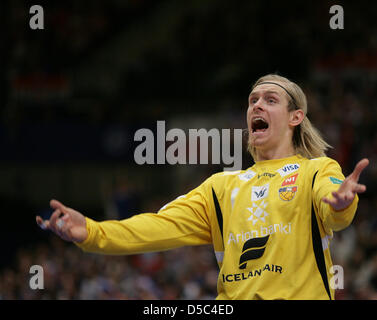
[265, 92]
[271, 82]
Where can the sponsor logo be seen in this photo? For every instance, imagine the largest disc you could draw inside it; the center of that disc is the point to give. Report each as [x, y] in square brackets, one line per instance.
[266, 174]
[290, 180]
[284, 229]
[254, 245]
[247, 175]
[252, 249]
[287, 193]
[258, 212]
[259, 193]
[288, 168]
[268, 267]
[336, 180]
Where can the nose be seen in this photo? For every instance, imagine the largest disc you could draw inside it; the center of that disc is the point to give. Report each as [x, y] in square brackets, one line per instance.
[258, 105]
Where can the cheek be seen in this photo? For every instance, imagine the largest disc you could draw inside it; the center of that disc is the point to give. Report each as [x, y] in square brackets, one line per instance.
[278, 121]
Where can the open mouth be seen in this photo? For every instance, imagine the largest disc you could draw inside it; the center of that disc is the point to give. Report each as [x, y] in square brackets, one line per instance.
[259, 125]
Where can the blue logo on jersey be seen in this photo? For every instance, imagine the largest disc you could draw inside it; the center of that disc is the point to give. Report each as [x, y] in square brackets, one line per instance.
[288, 168]
[336, 180]
[260, 194]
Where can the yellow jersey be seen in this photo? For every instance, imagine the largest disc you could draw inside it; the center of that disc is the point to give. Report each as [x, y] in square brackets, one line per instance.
[268, 225]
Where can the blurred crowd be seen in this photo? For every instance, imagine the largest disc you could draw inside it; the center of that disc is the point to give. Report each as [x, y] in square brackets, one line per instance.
[68, 273]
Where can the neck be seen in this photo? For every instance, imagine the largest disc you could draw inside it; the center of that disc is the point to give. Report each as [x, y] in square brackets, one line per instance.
[277, 153]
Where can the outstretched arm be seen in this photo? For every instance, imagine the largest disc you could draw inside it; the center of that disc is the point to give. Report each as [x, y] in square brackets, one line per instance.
[348, 189]
[183, 221]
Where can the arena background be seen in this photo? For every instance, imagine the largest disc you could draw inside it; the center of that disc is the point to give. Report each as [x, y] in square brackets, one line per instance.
[73, 95]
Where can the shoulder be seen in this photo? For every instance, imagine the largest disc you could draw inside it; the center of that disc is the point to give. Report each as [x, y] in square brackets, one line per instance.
[228, 176]
[227, 180]
[322, 162]
[327, 170]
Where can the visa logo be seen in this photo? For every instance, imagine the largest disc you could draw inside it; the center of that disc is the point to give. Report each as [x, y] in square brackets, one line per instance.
[290, 180]
[288, 168]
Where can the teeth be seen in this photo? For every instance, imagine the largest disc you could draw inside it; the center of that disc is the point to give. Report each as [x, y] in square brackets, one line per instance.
[255, 126]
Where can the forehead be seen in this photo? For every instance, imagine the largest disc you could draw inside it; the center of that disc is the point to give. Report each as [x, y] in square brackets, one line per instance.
[268, 88]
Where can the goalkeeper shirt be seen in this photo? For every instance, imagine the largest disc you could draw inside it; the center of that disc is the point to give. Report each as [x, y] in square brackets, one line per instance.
[269, 228]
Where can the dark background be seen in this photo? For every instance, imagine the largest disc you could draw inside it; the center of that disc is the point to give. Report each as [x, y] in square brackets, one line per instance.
[73, 95]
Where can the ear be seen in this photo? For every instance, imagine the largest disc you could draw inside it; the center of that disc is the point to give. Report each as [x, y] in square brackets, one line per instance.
[296, 117]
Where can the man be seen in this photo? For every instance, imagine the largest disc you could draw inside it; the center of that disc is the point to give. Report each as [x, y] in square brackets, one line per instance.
[270, 225]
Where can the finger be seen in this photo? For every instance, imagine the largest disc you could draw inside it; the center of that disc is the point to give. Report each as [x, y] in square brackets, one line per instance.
[54, 218]
[60, 223]
[61, 228]
[55, 204]
[337, 195]
[348, 196]
[344, 196]
[361, 165]
[42, 224]
[359, 188]
[328, 201]
[65, 217]
[65, 230]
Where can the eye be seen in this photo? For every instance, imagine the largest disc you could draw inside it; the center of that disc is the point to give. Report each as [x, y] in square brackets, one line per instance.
[271, 100]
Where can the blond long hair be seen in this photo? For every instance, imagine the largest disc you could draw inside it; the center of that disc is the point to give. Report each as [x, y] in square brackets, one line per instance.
[307, 140]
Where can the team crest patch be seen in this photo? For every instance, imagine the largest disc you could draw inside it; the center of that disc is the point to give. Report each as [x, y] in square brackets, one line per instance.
[287, 193]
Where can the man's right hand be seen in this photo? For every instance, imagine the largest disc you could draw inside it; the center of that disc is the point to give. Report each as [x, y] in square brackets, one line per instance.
[68, 224]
